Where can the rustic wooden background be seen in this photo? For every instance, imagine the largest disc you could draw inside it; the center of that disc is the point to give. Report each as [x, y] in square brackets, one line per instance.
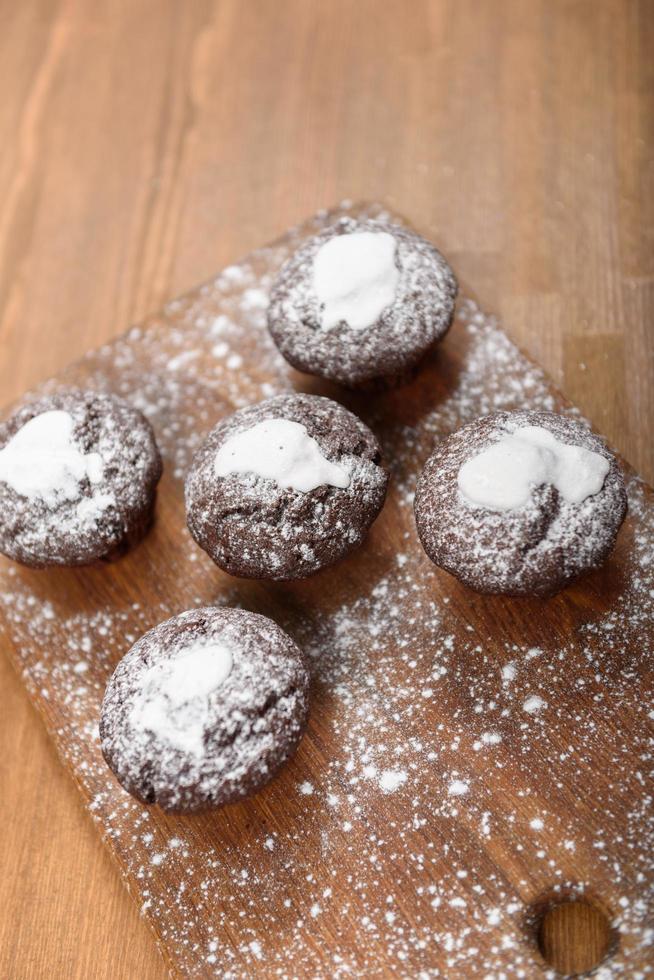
[146, 144]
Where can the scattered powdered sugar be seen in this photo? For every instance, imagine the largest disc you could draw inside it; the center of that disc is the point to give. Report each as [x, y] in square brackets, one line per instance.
[533, 704]
[427, 809]
[392, 779]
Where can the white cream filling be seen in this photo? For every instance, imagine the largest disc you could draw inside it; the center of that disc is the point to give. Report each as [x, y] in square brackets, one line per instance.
[283, 451]
[355, 278]
[173, 701]
[42, 461]
[503, 476]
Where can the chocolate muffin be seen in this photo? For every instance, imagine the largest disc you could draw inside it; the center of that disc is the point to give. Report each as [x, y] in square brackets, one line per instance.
[361, 303]
[78, 477]
[520, 503]
[204, 709]
[284, 488]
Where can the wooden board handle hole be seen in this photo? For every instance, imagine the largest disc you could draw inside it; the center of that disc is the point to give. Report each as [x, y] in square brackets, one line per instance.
[575, 936]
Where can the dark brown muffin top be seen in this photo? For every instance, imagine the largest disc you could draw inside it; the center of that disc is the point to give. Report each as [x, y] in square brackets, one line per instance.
[408, 288]
[204, 709]
[301, 496]
[78, 473]
[534, 537]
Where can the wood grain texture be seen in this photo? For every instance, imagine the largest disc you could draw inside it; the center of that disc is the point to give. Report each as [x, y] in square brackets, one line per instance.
[146, 144]
[574, 937]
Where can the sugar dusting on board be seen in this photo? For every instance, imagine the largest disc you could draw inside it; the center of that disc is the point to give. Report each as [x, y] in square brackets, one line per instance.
[429, 719]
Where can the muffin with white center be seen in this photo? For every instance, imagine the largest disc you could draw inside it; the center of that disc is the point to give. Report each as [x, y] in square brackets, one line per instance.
[520, 503]
[282, 489]
[361, 303]
[204, 709]
[78, 477]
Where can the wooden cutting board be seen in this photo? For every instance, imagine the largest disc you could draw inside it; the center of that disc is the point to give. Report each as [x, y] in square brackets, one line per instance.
[471, 761]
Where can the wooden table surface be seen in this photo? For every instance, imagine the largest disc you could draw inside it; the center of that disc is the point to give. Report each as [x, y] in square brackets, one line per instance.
[146, 144]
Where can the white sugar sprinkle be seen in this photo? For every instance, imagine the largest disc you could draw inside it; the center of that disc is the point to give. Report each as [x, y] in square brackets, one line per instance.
[458, 788]
[533, 704]
[392, 779]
